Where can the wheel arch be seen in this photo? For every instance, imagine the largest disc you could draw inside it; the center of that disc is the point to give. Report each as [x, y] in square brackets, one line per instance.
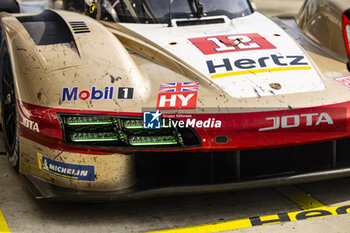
[85, 52]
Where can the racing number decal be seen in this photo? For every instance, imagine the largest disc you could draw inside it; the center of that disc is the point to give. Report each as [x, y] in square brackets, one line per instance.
[231, 43]
[236, 42]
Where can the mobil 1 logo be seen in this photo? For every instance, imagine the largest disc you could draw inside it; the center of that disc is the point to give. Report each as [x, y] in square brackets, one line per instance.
[108, 93]
[125, 93]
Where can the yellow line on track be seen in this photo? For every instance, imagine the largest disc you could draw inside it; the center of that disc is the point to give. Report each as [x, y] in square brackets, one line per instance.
[235, 73]
[302, 199]
[3, 225]
[262, 220]
[311, 208]
[211, 227]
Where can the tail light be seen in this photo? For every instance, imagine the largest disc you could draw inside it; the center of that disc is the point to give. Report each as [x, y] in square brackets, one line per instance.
[121, 132]
[346, 33]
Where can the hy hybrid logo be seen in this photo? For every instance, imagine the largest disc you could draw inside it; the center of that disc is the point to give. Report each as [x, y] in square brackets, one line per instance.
[151, 120]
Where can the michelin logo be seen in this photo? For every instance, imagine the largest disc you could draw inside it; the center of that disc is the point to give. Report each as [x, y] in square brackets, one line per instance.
[66, 170]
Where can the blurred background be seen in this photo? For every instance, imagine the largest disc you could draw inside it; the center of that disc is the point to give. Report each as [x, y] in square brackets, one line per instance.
[34, 6]
[267, 7]
[278, 7]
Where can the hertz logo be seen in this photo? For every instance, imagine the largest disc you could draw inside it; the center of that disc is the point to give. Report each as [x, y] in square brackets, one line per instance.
[79, 27]
[260, 65]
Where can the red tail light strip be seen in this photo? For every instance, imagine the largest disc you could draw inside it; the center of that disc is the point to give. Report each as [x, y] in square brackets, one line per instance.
[251, 130]
[346, 33]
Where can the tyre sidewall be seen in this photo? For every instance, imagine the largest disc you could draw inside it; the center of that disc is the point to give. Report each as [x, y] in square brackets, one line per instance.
[12, 152]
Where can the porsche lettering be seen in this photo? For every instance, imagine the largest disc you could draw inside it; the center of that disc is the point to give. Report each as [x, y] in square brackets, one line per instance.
[246, 64]
[294, 121]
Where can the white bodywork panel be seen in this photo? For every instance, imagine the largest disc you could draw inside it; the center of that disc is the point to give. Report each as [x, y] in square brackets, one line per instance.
[264, 61]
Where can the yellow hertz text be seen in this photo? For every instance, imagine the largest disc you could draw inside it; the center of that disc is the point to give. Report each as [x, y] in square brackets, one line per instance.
[264, 220]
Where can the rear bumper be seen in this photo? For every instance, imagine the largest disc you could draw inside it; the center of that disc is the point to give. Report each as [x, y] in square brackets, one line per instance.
[43, 190]
[241, 163]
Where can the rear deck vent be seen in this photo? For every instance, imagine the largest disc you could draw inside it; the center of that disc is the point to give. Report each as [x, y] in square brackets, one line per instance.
[79, 27]
[47, 28]
[199, 22]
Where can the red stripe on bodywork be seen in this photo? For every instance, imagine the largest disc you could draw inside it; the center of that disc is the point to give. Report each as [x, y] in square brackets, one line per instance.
[242, 129]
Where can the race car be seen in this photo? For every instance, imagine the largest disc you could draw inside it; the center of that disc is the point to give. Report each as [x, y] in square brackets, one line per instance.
[175, 97]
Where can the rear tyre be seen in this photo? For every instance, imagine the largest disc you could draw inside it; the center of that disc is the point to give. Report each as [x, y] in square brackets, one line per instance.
[9, 108]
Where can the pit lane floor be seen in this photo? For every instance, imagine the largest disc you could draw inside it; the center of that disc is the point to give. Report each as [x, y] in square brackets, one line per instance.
[284, 208]
[224, 211]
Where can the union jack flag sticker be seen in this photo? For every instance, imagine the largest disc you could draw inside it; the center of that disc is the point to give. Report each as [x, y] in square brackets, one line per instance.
[179, 87]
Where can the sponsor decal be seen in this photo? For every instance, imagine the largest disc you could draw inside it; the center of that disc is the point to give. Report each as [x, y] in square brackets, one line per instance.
[66, 170]
[73, 94]
[178, 96]
[93, 94]
[344, 80]
[125, 93]
[231, 43]
[151, 120]
[229, 67]
[30, 124]
[300, 120]
[177, 100]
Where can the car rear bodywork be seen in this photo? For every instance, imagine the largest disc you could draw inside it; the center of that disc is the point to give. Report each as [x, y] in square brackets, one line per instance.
[263, 104]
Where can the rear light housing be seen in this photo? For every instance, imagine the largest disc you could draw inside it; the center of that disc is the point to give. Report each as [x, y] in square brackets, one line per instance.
[346, 33]
[103, 131]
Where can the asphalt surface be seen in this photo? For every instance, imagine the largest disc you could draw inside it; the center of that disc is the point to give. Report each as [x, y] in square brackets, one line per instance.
[24, 214]
[201, 213]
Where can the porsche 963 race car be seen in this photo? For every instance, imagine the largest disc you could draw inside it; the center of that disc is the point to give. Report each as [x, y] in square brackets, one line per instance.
[157, 97]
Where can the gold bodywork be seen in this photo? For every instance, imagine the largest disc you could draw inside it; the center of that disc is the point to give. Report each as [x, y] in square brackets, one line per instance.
[112, 55]
[40, 73]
